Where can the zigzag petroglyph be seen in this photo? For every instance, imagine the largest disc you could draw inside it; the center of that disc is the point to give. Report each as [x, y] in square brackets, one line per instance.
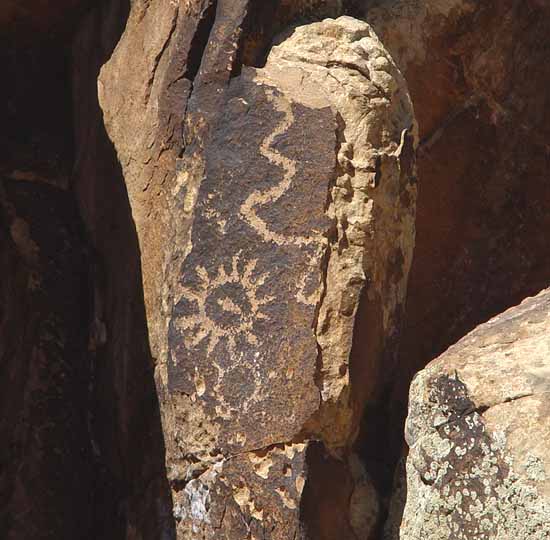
[255, 199]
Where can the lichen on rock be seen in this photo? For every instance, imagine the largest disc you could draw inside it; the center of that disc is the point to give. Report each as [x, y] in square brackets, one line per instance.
[478, 436]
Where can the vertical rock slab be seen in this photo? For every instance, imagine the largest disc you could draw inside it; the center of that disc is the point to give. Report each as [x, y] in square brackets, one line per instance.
[142, 88]
[295, 195]
[479, 433]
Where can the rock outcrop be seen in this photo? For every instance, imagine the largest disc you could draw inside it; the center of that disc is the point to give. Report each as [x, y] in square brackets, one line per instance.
[279, 240]
[208, 210]
[479, 433]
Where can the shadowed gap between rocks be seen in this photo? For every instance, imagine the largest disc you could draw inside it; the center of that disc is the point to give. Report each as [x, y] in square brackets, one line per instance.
[270, 21]
[45, 297]
[59, 157]
[200, 40]
[132, 497]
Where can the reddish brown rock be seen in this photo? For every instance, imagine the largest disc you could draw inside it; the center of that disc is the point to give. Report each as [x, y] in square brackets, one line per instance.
[276, 240]
[245, 231]
[477, 75]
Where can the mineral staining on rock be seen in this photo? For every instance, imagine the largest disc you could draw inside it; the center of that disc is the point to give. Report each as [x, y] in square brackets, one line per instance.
[298, 194]
[478, 432]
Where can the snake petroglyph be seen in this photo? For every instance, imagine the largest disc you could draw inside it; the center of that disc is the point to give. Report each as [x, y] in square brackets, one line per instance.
[270, 196]
[256, 199]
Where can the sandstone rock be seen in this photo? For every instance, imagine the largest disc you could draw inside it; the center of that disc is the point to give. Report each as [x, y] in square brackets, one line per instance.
[295, 195]
[478, 432]
[477, 75]
[210, 413]
[143, 100]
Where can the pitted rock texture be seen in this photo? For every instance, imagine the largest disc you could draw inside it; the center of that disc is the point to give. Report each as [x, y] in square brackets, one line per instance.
[478, 431]
[223, 262]
[295, 195]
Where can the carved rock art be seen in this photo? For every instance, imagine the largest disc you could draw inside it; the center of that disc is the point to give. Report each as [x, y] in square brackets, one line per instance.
[297, 195]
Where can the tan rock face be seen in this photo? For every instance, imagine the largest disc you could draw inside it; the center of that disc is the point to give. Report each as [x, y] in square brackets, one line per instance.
[258, 286]
[478, 432]
[278, 237]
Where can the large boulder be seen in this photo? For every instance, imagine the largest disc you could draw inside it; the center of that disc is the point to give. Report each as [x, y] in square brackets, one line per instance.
[479, 433]
[295, 196]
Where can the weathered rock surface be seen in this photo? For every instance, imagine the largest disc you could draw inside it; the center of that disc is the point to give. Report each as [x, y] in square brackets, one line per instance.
[180, 197]
[479, 433]
[280, 240]
[478, 78]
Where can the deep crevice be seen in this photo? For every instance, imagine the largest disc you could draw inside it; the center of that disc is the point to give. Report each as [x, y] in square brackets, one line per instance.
[85, 414]
[200, 40]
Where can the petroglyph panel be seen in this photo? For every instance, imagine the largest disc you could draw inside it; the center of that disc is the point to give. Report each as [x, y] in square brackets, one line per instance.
[295, 194]
[241, 334]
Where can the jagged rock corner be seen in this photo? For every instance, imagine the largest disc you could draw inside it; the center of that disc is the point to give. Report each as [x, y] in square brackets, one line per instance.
[232, 231]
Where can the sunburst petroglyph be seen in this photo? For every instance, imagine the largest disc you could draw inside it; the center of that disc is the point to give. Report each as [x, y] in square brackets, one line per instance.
[232, 295]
